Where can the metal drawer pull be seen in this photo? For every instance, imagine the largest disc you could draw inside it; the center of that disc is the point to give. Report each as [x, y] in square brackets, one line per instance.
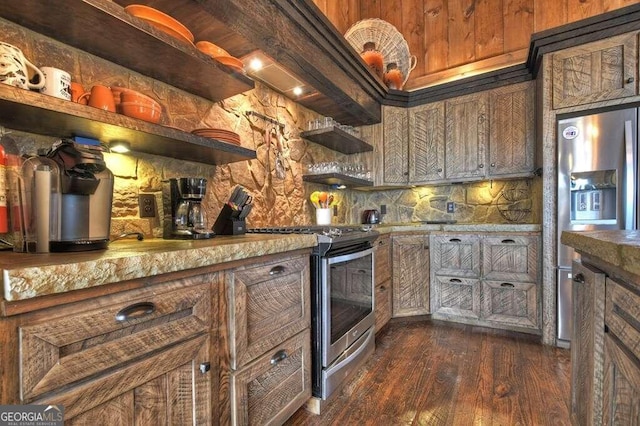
[579, 278]
[507, 285]
[277, 270]
[455, 280]
[135, 311]
[204, 367]
[455, 240]
[508, 241]
[382, 288]
[279, 356]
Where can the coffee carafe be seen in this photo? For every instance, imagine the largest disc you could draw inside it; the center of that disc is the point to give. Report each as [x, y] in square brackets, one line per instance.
[184, 216]
[65, 198]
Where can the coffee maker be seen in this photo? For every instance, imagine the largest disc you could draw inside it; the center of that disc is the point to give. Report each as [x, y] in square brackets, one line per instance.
[184, 216]
[64, 200]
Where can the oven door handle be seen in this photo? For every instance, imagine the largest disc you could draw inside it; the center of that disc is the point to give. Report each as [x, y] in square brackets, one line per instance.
[350, 256]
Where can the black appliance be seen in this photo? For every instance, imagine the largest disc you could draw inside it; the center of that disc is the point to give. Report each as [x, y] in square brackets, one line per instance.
[184, 216]
[342, 301]
[371, 217]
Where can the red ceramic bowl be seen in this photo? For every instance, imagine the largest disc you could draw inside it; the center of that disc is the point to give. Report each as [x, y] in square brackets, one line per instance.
[146, 112]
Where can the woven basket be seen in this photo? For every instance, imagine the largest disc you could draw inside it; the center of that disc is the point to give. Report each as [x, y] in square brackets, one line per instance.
[388, 40]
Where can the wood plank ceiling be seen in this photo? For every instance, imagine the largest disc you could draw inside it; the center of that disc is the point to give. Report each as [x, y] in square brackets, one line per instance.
[460, 38]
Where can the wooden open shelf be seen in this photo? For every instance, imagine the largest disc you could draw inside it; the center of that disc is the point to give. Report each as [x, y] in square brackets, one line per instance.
[337, 179]
[37, 113]
[338, 140]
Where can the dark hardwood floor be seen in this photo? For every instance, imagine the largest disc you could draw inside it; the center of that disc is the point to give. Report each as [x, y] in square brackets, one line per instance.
[427, 372]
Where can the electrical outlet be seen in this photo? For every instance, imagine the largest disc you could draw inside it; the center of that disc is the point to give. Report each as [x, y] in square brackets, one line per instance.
[383, 209]
[451, 207]
[335, 210]
[147, 205]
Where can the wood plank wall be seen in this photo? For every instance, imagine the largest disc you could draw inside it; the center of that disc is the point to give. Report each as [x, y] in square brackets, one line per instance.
[456, 38]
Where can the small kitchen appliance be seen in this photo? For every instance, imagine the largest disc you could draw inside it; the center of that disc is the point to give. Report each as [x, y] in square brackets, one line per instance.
[65, 198]
[184, 216]
[371, 217]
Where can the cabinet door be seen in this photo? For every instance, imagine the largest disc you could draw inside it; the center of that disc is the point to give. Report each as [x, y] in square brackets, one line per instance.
[268, 303]
[410, 275]
[271, 388]
[426, 143]
[383, 301]
[512, 130]
[382, 259]
[621, 399]
[595, 72]
[467, 131]
[510, 258]
[510, 303]
[396, 148]
[455, 297]
[587, 344]
[457, 255]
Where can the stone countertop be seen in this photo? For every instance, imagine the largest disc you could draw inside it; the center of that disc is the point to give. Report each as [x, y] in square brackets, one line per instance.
[30, 275]
[457, 227]
[618, 248]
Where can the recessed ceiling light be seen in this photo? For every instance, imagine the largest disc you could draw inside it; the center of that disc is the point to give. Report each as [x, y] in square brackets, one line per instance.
[297, 90]
[255, 64]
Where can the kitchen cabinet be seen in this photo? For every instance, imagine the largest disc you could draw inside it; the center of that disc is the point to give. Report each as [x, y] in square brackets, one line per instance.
[410, 269]
[597, 71]
[382, 272]
[426, 143]
[621, 381]
[512, 130]
[269, 355]
[395, 153]
[488, 278]
[139, 356]
[467, 132]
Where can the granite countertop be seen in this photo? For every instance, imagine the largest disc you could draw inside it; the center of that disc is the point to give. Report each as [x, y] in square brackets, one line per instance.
[618, 248]
[30, 275]
[457, 227]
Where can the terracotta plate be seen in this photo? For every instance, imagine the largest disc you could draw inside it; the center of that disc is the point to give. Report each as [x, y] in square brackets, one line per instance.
[161, 21]
[211, 49]
[230, 61]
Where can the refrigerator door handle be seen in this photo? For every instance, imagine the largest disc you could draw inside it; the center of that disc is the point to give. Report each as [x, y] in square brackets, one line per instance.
[629, 177]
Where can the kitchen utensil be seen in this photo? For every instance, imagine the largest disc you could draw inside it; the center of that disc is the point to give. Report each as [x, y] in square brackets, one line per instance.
[56, 83]
[370, 217]
[100, 97]
[14, 68]
[161, 21]
[314, 197]
[330, 200]
[279, 166]
[77, 90]
[322, 199]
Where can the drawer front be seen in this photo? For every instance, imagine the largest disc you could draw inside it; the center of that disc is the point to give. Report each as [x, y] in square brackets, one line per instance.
[383, 304]
[382, 259]
[268, 303]
[455, 297]
[456, 255]
[86, 343]
[622, 315]
[511, 258]
[510, 303]
[270, 389]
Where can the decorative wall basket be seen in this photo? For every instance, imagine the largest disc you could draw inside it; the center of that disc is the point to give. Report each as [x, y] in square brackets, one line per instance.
[388, 40]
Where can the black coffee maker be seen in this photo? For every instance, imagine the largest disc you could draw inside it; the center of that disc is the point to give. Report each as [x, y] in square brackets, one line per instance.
[184, 216]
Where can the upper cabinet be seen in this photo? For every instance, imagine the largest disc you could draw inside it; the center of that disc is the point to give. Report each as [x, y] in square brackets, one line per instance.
[597, 71]
[426, 143]
[395, 152]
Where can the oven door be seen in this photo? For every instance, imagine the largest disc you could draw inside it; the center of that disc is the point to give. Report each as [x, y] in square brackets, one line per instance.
[347, 300]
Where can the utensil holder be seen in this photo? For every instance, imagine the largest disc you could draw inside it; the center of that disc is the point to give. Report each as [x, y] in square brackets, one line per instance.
[227, 222]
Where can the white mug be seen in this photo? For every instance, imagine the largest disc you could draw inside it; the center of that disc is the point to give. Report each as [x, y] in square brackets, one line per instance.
[57, 83]
[13, 68]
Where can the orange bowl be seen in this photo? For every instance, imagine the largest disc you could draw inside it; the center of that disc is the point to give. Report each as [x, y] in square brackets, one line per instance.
[211, 49]
[146, 112]
[123, 94]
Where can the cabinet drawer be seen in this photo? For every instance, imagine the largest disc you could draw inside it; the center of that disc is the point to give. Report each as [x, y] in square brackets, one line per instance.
[622, 315]
[458, 297]
[88, 341]
[268, 303]
[382, 258]
[510, 303]
[270, 389]
[510, 258]
[383, 304]
[457, 255]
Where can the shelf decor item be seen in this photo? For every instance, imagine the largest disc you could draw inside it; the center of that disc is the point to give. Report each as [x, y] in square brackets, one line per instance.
[373, 58]
[387, 40]
[393, 77]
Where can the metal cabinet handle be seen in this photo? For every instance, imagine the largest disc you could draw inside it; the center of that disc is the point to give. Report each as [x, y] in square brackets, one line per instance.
[455, 280]
[279, 356]
[481, 166]
[277, 270]
[455, 240]
[425, 247]
[135, 311]
[579, 278]
[493, 164]
[204, 367]
[440, 170]
[508, 241]
[382, 288]
[509, 285]
[631, 80]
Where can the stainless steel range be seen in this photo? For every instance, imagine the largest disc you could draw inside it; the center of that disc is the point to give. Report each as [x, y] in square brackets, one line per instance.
[342, 300]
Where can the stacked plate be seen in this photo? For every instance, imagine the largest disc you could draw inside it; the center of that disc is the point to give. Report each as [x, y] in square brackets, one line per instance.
[218, 134]
[161, 21]
[220, 55]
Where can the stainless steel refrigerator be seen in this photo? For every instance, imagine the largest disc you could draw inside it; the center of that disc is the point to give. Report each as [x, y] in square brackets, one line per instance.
[597, 187]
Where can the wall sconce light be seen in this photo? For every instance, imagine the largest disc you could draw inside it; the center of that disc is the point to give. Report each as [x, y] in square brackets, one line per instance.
[120, 147]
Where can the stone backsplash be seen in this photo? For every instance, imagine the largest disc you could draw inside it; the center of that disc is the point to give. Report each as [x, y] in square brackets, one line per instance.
[277, 202]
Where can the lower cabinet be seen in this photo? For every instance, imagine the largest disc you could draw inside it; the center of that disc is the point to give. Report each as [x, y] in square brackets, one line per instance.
[455, 297]
[382, 274]
[510, 303]
[138, 357]
[410, 254]
[268, 324]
